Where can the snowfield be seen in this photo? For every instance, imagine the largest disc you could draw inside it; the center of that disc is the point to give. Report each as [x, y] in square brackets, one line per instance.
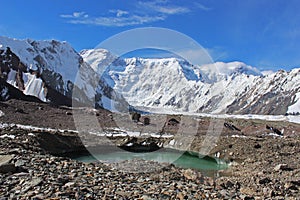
[172, 83]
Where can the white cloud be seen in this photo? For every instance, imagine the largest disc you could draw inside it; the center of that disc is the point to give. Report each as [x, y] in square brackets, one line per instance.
[117, 21]
[145, 12]
[196, 56]
[75, 15]
[217, 53]
[202, 7]
[200, 56]
[119, 13]
[267, 72]
[163, 8]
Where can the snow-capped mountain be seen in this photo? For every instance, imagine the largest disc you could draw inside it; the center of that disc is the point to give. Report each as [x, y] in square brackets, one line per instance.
[172, 83]
[53, 71]
[49, 70]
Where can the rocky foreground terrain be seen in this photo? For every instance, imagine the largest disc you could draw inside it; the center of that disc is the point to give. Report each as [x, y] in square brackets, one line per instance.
[33, 165]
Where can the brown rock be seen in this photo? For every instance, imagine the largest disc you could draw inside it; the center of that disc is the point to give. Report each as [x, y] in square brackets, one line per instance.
[247, 191]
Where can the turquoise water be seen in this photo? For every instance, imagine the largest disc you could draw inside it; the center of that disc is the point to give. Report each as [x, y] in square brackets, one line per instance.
[179, 159]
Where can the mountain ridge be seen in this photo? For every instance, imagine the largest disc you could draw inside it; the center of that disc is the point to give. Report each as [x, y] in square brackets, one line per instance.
[49, 70]
[42, 68]
[213, 88]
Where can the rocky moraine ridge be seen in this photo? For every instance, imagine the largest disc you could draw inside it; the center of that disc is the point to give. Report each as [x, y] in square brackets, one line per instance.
[262, 165]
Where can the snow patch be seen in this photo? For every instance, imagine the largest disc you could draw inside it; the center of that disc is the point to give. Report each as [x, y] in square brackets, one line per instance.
[35, 87]
[8, 136]
[1, 113]
[295, 108]
[4, 93]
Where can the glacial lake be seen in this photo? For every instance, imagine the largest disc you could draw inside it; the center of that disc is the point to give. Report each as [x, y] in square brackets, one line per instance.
[179, 159]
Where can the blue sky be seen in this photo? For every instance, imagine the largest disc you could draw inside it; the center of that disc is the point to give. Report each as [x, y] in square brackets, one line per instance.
[261, 33]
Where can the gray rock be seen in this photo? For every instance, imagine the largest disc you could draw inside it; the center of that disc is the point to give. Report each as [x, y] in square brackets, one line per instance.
[20, 163]
[282, 167]
[5, 165]
[35, 181]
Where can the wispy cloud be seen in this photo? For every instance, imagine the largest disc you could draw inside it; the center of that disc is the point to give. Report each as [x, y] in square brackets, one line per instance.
[145, 12]
[119, 13]
[217, 53]
[117, 21]
[163, 7]
[75, 15]
[202, 7]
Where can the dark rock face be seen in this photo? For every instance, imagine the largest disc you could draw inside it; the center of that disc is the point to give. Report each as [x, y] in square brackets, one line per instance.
[231, 127]
[146, 121]
[53, 82]
[56, 65]
[10, 61]
[8, 91]
[274, 130]
[273, 102]
[58, 144]
[5, 164]
[136, 116]
[173, 122]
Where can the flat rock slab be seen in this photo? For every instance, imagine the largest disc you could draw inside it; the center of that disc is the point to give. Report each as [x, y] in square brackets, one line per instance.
[5, 165]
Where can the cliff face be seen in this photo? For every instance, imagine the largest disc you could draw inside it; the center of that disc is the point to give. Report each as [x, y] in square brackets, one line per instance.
[50, 70]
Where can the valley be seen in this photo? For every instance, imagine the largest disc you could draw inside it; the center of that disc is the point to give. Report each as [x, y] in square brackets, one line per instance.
[57, 103]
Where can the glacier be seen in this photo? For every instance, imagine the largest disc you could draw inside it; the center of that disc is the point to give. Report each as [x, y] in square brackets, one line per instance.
[174, 84]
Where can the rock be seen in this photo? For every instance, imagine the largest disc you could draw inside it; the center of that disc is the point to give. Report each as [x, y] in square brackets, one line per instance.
[297, 182]
[5, 165]
[69, 184]
[224, 193]
[257, 146]
[231, 127]
[19, 163]
[69, 113]
[35, 181]
[146, 197]
[135, 117]
[19, 110]
[229, 184]
[247, 191]
[8, 167]
[190, 174]
[265, 180]
[282, 167]
[290, 186]
[272, 193]
[180, 196]
[146, 121]
[173, 122]
[248, 198]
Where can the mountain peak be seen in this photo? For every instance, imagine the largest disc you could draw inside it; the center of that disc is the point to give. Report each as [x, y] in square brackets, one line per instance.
[218, 71]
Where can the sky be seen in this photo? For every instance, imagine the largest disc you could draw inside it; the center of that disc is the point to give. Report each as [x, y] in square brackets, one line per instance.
[261, 33]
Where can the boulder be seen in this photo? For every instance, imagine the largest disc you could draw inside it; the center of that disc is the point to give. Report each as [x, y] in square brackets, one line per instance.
[282, 167]
[5, 165]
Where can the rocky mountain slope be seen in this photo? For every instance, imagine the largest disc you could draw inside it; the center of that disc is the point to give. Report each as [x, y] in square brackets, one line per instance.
[176, 85]
[54, 72]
